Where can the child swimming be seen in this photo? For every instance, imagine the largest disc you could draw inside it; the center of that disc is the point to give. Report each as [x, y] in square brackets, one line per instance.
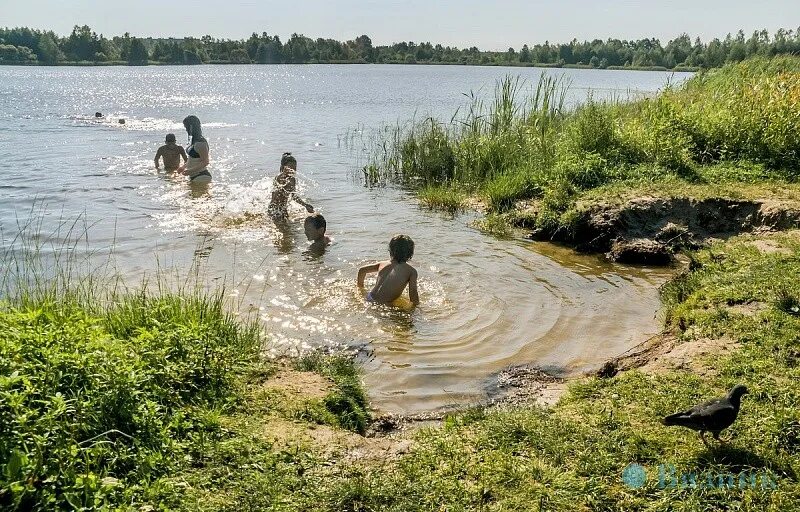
[315, 226]
[393, 275]
[283, 189]
[172, 154]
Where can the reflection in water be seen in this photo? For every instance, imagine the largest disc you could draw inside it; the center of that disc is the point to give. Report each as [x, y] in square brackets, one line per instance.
[284, 236]
[486, 303]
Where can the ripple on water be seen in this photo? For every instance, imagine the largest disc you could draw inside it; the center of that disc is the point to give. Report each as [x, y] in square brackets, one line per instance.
[486, 303]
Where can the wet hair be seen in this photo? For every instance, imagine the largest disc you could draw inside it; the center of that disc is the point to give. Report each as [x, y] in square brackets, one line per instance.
[288, 159]
[193, 127]
[170, 137]
[317, 220]
[401, 248]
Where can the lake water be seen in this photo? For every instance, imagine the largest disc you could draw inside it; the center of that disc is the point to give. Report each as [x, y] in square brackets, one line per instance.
[486, 303]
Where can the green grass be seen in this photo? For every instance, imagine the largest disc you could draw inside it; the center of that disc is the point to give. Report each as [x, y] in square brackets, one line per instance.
[97, 401]
[442, 197]
[734, 125]
[108, 393]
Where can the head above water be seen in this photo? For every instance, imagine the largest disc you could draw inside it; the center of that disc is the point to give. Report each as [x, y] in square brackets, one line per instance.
[401, 248]
[170, 138]
[193, 127]
[315, 226]
[287, 160]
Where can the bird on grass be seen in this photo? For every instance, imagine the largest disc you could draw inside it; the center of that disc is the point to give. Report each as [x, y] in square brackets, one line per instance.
[713, 416]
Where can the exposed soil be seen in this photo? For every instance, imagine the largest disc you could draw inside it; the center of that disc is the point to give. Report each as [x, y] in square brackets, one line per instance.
[309, 385]
[336, 445]
[649, 230]
[667, 352]
[526, 384]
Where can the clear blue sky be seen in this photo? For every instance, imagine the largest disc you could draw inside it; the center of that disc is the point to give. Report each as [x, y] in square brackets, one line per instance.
[488, 24]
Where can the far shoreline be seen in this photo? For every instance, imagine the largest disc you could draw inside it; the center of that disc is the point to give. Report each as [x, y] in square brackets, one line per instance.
[90, 64]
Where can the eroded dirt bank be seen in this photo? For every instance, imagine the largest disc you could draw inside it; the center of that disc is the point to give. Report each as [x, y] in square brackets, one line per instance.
[649, 230]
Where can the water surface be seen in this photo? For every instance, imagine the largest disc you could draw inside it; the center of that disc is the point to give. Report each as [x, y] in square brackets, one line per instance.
[486, 303]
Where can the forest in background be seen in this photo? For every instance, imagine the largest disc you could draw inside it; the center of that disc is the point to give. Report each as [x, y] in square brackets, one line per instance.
[83, 46]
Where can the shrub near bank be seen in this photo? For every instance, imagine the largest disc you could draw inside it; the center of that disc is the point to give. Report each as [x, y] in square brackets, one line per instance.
[96, 403]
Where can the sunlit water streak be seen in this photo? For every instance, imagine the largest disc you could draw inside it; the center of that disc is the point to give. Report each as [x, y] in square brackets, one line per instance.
[486, 303]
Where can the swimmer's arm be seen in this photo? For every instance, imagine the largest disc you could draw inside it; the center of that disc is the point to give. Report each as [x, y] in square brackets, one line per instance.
[182, 152]
[413, 295]
[158, 155]
[308, 207]
[291, 186]
[363, 271]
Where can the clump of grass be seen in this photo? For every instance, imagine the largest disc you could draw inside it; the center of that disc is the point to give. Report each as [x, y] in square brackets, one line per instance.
[348, 401]
[495, 224]
[443, 197]
[787, 302]
[106, 398]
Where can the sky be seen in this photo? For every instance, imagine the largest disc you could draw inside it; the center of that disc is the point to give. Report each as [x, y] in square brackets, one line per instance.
[487, 24]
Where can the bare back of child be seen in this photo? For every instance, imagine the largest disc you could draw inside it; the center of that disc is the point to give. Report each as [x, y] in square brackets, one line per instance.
[393, 275]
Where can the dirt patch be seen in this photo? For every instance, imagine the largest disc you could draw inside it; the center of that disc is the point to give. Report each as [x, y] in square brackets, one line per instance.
[748, 309]
[770, 247]
[660, 354]
[650, 229]
[524, 384]
[310, 385]
[332, 443]
[666, 352]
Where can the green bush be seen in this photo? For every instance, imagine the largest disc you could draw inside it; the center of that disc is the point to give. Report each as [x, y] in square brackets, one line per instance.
[93, 404]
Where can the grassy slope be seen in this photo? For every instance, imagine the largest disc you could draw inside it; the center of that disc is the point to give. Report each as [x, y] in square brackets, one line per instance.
[102, 406]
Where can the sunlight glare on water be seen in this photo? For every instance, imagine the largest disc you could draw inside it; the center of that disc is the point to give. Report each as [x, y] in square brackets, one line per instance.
[486, 303]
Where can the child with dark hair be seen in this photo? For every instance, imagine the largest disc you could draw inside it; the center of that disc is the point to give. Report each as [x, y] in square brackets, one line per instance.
[393, 275]
[284, 188]
[315, 226]
[172, 154]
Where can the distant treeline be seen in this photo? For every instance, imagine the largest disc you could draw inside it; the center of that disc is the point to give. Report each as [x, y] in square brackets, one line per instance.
[84, 46]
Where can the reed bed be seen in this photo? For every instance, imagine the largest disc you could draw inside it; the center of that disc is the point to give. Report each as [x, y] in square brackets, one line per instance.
[525, 143]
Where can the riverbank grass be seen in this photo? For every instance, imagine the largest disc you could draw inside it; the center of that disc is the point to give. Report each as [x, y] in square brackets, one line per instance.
[735, 125]
[103, 399]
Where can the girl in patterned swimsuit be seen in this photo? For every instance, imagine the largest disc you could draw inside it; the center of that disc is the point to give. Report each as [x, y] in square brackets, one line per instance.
[284, 188]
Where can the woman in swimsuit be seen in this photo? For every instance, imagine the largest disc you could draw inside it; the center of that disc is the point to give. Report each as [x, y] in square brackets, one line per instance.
[196, 167]
[283, 189]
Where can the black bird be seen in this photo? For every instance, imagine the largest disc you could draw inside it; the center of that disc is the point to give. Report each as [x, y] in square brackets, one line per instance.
[713, 416]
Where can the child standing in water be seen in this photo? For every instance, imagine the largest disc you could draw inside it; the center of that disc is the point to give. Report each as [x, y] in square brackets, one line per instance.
[172, 154]
[393, 275]
[283, 189]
